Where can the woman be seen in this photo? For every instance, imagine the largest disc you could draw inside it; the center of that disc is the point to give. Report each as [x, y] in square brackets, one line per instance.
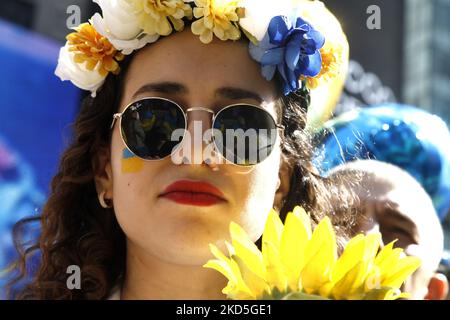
[138, 220]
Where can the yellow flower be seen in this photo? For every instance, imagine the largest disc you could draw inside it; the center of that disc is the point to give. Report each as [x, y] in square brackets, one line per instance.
[155, 16]
[332, 59]
[298, 263]
[217, 16]
[93, 49]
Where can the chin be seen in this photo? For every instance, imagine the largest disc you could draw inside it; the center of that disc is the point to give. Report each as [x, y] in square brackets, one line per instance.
[182, 254]
[193, 247]
[191, 210]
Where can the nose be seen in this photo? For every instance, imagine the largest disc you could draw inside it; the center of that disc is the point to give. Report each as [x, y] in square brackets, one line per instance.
[198, 143]
[199, 114]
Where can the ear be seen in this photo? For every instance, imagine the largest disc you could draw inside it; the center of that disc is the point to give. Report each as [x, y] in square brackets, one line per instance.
[103, 172]
[284, 184]
[437, 287]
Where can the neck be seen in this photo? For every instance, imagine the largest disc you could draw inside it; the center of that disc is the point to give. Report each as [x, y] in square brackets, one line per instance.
[150, 278]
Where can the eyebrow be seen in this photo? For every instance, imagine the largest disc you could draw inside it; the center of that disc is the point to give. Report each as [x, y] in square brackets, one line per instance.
[178, 88]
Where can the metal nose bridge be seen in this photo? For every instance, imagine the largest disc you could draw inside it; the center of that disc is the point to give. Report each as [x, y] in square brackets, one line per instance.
[202, 109]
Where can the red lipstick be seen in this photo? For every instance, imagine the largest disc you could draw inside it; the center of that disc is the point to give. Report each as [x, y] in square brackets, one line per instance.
[194, 193]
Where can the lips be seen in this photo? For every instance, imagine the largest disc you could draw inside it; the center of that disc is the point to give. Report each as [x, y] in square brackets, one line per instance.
[193, 193]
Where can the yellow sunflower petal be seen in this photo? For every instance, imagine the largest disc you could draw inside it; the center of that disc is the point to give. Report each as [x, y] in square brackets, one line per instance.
[222, 267]
[246, 249]
[276, 274]
[273, 229]
[352, 254]
[225, 265]
[390, 261]
[293, 245]
[257, 285]
[320, 257]
[235, 294]
[359, 248]
[373, 242]
[384, 253]
[229, 268]
[306, 220]
[403, 269]
[351, 286]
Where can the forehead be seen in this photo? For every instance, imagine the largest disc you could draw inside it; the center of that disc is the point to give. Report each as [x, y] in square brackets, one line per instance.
[408, 204]
[402, 207]
[202, 69]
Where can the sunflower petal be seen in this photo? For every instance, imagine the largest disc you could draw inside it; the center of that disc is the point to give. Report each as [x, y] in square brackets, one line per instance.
[352, 254]
[246, 249]
[292, 249]
[320, 257]
[273, 229]
[222, 267]
[301, 213]
[275, 274]
[351, 286]
[403, 269]
[256, 284]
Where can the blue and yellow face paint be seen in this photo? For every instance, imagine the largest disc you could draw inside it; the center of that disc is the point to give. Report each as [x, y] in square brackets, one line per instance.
[131, 163]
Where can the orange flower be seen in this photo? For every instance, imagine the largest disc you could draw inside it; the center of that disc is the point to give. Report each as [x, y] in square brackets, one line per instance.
[331, 62]
[90, 47]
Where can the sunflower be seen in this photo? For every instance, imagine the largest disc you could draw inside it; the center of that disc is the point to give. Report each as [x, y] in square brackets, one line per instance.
[299, 263]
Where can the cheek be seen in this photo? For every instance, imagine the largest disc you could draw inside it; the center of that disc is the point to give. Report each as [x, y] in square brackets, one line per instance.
[133, 193]
[128, 173]
[130, 163]
[261, 186]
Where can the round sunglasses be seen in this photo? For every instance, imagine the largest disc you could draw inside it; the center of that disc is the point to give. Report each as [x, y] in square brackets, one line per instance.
[153, 129]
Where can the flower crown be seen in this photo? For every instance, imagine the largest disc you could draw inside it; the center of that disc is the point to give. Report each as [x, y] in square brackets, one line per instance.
[282, 38]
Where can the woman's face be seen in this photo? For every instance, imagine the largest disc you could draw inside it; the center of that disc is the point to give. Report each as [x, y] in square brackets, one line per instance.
[162, 226]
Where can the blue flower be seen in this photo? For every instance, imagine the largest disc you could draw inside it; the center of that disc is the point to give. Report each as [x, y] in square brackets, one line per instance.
[291, 49]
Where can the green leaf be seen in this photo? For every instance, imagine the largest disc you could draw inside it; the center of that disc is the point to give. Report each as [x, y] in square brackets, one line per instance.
[302, 296]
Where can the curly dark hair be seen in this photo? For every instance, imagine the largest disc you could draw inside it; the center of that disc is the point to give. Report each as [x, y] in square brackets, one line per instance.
[76, 230]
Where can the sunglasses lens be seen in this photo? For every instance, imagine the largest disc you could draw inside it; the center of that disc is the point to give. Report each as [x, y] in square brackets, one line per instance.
[244, 134]
[148, 125]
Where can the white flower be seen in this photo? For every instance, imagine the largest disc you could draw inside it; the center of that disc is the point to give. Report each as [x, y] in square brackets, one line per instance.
[120, 26]
[77, 73]
[258, 14]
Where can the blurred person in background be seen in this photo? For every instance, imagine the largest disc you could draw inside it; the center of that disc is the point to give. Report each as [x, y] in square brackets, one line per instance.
[392, 202]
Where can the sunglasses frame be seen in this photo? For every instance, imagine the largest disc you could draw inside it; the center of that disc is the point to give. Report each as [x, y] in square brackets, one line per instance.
[118, 117]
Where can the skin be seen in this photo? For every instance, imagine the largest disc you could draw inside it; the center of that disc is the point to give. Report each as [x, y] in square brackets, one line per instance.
[167, 243]
[393, 203]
